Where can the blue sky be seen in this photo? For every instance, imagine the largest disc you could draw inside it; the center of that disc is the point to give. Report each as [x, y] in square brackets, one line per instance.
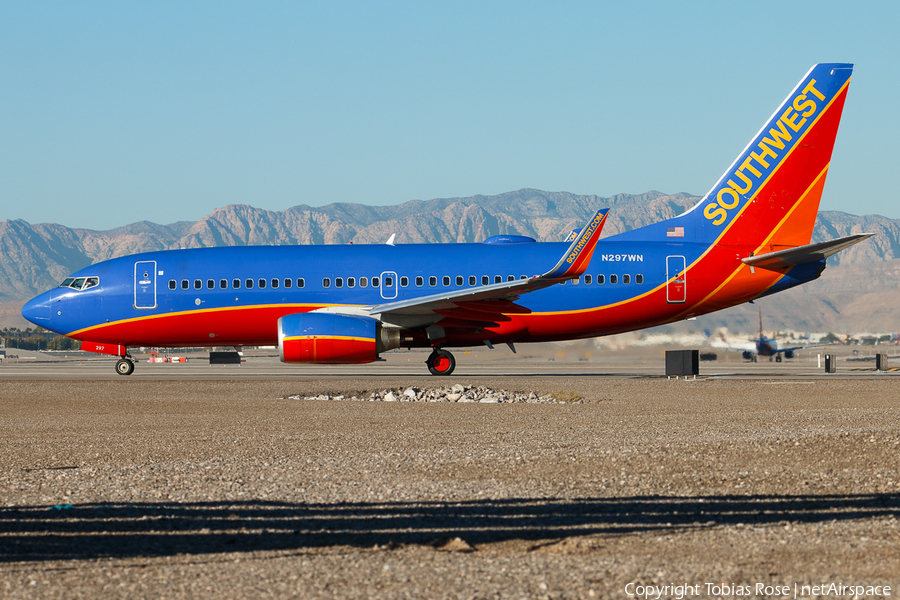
[116, 112]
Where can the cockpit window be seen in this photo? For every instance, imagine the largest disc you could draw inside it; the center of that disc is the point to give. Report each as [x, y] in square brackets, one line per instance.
[80, 283]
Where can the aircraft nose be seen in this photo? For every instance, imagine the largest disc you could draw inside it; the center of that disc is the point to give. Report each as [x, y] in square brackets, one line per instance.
[37, 310]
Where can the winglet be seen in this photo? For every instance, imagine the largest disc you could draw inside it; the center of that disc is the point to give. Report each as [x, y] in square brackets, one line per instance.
[575, 261]
[572, 235]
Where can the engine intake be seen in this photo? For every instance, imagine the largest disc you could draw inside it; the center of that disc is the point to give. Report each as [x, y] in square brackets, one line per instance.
[325, 338]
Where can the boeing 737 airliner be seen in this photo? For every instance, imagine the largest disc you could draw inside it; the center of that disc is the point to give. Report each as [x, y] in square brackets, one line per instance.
[747, 238]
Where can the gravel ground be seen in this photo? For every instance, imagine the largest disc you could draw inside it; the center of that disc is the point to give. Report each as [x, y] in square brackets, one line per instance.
[212, 489]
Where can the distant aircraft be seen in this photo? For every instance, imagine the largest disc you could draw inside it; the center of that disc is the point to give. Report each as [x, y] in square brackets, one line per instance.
[747, 238]
[766, 346]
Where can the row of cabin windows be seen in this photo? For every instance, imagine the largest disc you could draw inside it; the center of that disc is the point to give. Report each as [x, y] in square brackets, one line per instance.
[613, 279]
[236, 284]
[351, 282]
[473, 280]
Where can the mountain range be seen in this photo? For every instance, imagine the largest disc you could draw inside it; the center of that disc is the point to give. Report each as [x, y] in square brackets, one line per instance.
[858, 292]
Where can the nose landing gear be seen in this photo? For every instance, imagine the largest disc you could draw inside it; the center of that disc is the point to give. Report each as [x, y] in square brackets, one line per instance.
[441, 362]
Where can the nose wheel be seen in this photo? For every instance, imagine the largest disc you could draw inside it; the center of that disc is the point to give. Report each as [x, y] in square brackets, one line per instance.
[124, 367]
[441, 362]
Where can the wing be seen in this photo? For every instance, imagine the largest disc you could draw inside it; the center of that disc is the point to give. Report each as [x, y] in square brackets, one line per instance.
[735, 346]
[792, 348]
[497, 298]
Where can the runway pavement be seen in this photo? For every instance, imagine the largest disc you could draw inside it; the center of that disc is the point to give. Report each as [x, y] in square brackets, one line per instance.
[538, 360]
[194, 481]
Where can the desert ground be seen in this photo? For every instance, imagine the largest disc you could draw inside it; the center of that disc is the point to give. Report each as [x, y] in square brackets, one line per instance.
[198, 481]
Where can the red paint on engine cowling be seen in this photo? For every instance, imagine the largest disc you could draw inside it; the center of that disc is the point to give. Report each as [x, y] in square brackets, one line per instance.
[328, 350]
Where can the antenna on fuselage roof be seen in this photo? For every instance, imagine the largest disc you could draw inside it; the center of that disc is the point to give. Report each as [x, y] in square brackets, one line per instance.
[390, 241]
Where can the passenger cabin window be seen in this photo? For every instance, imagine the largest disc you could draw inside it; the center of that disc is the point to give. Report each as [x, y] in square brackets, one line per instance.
[523, 276]
[601, 279]
[248, 283]
[261, 283]
[432, 281]
[301, 282]
[576, 281]
[338, 282]
[485, 280]
[639, 279]
[588, 280]
[420, 281]
[288, 282]
[363, 281]
[613, 279]
[185, 284]
[198, 284]
[472, 280]
[375, 282]
[223, 284]
[510, 277]
[404, 281]
[236, 284]
[351, 282]
[210, 284]
[498, 278]
[275, 283]
[459, 280]
[445, 281]
[172, 284]
[388, 281]
[326, 282]
[626, 278]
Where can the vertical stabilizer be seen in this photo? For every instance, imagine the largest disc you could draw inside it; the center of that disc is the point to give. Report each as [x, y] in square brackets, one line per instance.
[770, 194]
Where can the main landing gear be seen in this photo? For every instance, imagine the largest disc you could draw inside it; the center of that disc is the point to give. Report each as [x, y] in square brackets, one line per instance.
[440, 362]
[125, 366]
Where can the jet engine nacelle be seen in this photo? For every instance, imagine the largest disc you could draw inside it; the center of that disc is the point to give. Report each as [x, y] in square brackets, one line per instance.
[789, 354]
[325, 338]
[747, 355]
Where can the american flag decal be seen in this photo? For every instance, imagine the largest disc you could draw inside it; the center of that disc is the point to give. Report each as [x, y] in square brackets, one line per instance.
[674, 231]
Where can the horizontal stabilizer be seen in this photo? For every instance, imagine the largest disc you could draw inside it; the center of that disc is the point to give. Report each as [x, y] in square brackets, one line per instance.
[785, 259]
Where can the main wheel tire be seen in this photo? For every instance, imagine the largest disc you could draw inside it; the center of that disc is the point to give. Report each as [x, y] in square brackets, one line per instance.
[124, 367]
[441, 362]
